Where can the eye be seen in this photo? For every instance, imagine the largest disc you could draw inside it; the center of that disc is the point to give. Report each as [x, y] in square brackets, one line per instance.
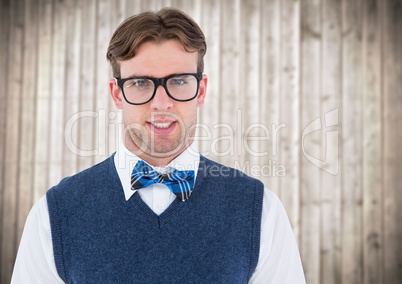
[178, 81]
[138, 83]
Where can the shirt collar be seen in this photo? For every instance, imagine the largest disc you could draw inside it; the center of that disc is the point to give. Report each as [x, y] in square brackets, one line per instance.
[125, 161]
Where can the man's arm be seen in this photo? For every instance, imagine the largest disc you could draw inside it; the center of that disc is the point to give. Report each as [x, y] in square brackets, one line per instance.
[279, 261]
[35, 261]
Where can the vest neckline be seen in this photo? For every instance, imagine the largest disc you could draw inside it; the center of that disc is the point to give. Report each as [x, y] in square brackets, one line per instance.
[162, 219]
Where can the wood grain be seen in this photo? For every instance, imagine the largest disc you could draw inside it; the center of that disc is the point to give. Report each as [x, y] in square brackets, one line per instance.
[352, 137]
[12, 138]
[4, 49]
[42, 133]
[392, 135]
[373, 245]
[28, 114]
[330, 250]
[310, 175]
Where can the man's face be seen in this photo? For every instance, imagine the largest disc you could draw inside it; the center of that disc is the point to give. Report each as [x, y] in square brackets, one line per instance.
[161, 129]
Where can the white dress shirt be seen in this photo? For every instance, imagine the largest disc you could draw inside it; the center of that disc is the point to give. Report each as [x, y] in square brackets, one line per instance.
[279, 261]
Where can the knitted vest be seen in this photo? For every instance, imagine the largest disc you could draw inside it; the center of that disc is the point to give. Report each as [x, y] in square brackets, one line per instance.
[99, 237]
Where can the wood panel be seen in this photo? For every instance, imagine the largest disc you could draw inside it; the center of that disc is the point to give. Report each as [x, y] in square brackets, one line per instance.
[392, 136]
[72, 87]
[12, 137]
[117, 15]
[331, 59]
[307, 73]
[104, 31]
[211, 25]
[28, 114]
[252, 129]
[41, 169]
[352, 132]
[57, 92]
[373, 245]
[269, 99]
[289, 111]
[227, 137]
[310, 175]
[4, 48]
[86, 121]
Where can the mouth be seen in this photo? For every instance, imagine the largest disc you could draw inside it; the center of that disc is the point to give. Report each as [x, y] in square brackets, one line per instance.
[162, 127]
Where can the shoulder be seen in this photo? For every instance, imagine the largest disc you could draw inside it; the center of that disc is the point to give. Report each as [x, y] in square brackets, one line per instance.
[229, 181]
[212, 169]
[90, 176]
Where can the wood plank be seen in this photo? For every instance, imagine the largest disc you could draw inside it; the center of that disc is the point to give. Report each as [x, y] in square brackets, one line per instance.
[210, 23]
[289, 100]
[42, 133]
[135, 7]
[57, 93]
[192, 8]
[392, 136]
[28, 115]
[12, 138]
[310, 174]
[330, 258]
[118, 15]
[155, 5]
[351, 170]
[372, 144]
[249, 87]
[228, 144]
[4, 49]
[269, 95]
[103, 35]
[87, 116]
[72, 87]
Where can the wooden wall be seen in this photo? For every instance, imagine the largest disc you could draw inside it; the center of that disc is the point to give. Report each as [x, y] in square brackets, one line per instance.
[306, 95]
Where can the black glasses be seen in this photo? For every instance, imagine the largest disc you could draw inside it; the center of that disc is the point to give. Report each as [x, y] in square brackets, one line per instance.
[140, 90]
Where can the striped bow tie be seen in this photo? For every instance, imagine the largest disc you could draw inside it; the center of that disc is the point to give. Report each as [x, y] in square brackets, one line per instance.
[179, 182]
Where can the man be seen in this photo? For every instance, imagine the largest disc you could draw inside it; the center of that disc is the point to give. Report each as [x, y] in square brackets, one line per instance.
[157, 211]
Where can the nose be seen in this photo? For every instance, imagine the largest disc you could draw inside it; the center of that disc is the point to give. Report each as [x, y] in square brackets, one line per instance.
[161, 100]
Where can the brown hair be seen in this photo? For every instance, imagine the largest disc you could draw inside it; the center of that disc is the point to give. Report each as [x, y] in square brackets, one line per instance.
[166, 24]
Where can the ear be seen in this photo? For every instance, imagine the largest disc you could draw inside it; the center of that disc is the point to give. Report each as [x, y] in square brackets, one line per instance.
[202, 91]
[115, 92]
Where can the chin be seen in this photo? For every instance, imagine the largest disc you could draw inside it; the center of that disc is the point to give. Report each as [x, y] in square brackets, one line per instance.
[167, 149]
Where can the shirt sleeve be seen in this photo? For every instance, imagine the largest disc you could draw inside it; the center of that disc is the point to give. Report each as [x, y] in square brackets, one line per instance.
[35, 261]
[279, 260]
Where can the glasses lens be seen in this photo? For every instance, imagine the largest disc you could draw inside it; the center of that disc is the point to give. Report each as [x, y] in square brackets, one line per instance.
[138, 91]
[182, 87]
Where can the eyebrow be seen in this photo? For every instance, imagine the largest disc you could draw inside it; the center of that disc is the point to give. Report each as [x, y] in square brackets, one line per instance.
[149, 76]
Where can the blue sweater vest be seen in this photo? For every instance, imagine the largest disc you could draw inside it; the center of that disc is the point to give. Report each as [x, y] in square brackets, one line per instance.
[99, 237]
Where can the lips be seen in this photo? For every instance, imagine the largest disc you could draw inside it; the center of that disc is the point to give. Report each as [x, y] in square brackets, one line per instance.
[162, 127]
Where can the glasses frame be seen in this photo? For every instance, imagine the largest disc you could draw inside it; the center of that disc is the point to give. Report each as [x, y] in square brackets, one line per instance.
[159, 82]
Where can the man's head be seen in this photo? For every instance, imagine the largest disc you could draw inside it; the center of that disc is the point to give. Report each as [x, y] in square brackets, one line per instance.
[159, 107]
[156, 27]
